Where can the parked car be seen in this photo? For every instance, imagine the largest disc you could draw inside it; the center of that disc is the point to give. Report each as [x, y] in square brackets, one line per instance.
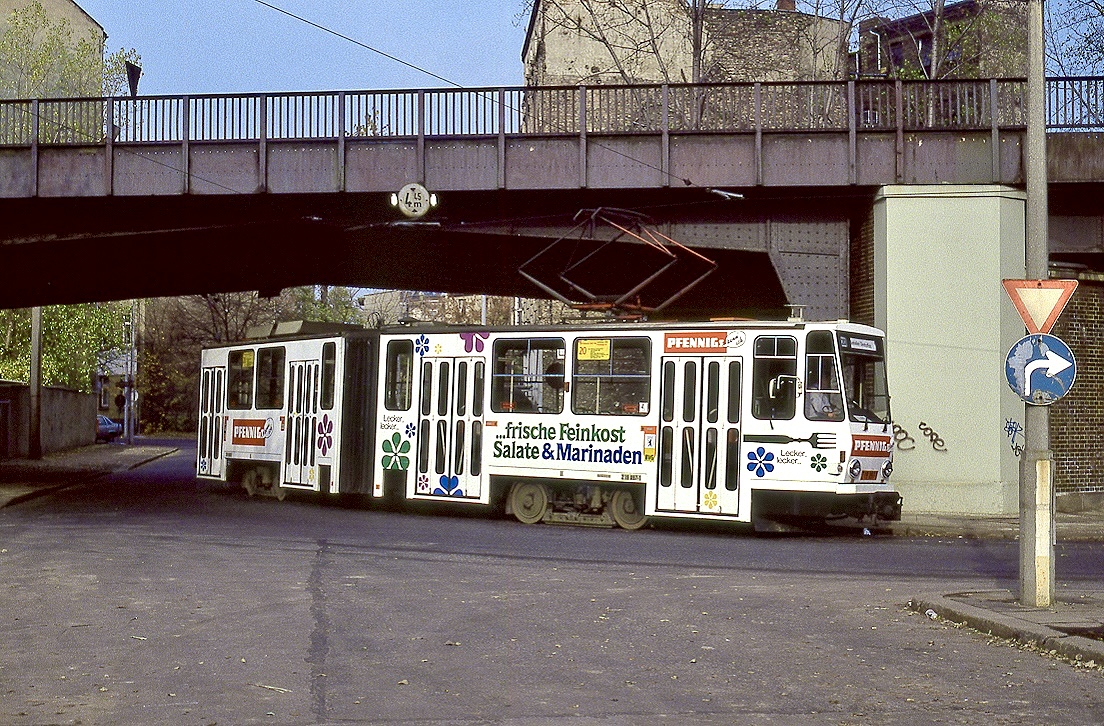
[107, 430]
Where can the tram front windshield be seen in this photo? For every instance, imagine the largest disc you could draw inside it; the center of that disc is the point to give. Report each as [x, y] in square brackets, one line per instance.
[864, 379]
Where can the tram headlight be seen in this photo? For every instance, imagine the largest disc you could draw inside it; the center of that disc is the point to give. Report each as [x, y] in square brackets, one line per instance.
[855, 468]
[887, 469]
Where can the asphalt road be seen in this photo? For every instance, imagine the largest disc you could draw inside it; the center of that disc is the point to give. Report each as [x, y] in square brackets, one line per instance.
[152, 598]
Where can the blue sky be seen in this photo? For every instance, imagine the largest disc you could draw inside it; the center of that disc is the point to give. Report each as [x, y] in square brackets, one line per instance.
[227, 46]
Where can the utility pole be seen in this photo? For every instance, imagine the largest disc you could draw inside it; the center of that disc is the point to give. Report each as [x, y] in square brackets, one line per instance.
[1037, 463]
[35, 384]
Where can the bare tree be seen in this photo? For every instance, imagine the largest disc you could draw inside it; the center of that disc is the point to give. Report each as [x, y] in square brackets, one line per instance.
[1075, 37]
[617, 41]
[931, 39]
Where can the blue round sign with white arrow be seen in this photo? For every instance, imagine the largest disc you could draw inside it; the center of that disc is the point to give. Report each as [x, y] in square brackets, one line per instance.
[1040, 369]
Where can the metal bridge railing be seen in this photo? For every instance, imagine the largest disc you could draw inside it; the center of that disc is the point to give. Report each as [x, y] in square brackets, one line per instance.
[868, 106]
[1076, 103]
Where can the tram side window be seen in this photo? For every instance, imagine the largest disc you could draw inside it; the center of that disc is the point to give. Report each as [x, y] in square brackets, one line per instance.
[398, 376]
[612, 376]
[528, 375]
[329, 374]
[270, 378]
[774, 377]
[823, 399]
[239, 381]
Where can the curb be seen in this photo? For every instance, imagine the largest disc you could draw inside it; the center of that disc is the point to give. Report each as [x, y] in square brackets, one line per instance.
[149, 459]
[1074, 647]
[84, 478]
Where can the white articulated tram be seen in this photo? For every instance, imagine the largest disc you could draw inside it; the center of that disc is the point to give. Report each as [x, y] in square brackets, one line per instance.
[776, 423]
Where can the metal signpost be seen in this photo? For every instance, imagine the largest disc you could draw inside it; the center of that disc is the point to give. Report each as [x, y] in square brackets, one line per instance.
[1036, 489]
[1040, 369]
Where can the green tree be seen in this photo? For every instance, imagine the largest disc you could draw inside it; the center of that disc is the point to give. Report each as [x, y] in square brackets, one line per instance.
[72, 337]
[176, 329]
[331, 304]
[42, 57]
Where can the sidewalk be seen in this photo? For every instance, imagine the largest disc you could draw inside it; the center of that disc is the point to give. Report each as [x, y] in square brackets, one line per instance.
[1069, 527]
[1073, 627]
[23, 479]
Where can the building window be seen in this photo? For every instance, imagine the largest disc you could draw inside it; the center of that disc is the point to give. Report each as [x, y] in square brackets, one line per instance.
[105, 393]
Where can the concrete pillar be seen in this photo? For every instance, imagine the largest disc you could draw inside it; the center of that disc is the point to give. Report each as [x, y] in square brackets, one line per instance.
[940, 253]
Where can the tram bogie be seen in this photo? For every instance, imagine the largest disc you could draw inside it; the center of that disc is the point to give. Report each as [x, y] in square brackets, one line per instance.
[773, 423]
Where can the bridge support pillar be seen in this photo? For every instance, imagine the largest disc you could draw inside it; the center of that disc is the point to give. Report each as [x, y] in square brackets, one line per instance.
[940, 253]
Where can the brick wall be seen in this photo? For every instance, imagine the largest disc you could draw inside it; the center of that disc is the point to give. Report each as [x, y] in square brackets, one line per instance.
[1077, 420]
[862, 273]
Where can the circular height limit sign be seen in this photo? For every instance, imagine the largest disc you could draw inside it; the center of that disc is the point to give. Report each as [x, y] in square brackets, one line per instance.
[1040, 369]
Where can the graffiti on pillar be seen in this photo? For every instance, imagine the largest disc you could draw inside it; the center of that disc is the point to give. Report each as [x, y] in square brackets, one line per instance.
[931, 435]
[1014, 431]
[903, 440]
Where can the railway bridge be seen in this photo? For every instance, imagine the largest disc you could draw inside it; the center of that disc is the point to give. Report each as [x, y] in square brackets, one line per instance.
[890, 202]
[262, 191]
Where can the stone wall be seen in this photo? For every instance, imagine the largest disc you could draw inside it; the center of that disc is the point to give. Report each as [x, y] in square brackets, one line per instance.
[68, 419]
[774, 45]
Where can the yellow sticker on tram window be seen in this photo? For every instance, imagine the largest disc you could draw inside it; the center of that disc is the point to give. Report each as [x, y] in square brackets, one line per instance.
[593, 349]
[247, 359]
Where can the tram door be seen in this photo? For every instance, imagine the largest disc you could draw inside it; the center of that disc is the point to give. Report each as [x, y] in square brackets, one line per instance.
[699, 438]
[211, 421]
[300, 436]
[450, 427]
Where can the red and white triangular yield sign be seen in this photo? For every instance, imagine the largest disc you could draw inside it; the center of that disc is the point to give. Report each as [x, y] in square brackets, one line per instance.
[1039, 302]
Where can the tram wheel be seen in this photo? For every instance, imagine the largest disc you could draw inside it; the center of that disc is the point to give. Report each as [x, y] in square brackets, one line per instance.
[626, 511]
[529, 502]
[249, 482]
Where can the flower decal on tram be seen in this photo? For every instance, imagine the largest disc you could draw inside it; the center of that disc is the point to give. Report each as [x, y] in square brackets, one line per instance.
[395, 452]
[474, 341]
[449, 487]
[818, 462]
[325, 434]
[421, 345]
[423, 484]
[710, 500]
[411, 429]
[760, 461]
